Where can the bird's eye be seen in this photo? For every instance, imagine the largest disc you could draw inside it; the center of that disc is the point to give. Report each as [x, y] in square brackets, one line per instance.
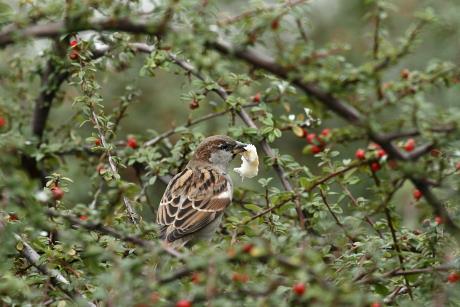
[224, 146]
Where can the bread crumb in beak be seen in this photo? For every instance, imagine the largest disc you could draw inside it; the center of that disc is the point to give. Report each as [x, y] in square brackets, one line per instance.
[250, 163]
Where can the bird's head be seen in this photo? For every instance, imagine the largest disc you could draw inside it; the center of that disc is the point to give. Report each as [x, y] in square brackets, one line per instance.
[218, 150]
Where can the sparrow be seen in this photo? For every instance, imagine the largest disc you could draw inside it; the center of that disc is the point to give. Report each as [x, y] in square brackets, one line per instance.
[194, 201]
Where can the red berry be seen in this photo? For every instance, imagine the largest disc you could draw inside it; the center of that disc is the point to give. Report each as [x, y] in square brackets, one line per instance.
[386, 85]
[275, 24]
[194, 104]
[305, 132]
[410, 145]
[405, 73]
[13, 217]
[375, 166]
[97, 142]
[360, 154]
[73, 55]
[311, 138]
[299, 288]
[326, 132]
[256, 98]
[457, 166]
[393, 164]
[57, 192]
[2, 122]
[196, 278]
[316, 149]
[435, 153]
[438, 220]
[381, 153]
[154, 297]
[73, 43]
[417, 194]
[453, 277]
[240, 277]
[231, 252]
[247, 248]
[83, 217]
[184, 303]
[376, 304]
[131, 142]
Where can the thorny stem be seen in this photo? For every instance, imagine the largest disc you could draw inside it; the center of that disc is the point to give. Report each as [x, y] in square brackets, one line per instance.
[132, 214]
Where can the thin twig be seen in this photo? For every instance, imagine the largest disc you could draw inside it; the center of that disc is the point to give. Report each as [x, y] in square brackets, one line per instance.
[132, 214]
[57, 28]
[56, 278]
[310, 188]
[206, 117]
[220, 91]
[106, 230]
[342, 109]
[399, 272]
[398, 249]
[257, 11]
[323, 197]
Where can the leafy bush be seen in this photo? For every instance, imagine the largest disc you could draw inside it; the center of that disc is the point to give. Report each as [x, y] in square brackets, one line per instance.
[353, 107]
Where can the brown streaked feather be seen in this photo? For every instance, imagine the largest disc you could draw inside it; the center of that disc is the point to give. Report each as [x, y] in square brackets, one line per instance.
[192, 200]
[178, 233]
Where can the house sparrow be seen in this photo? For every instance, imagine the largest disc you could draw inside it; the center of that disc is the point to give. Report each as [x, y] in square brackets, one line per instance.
[195, 199]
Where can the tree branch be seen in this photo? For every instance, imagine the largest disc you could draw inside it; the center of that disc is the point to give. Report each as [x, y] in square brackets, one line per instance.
[190, 123]
[55, 29]
[132, 214]
[220, 91]
[398, 250]
[109, 231]
[56, 278]
[342, 109]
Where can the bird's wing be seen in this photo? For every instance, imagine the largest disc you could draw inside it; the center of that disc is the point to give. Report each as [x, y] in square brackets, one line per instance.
[192, 200]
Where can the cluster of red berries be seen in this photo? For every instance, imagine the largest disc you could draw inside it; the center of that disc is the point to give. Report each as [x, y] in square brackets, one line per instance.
[73, 55]
[377, 152]
[131, 142]
[317, 141]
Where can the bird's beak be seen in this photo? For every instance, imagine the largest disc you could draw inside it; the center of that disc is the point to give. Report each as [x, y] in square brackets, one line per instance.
[239, 148]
